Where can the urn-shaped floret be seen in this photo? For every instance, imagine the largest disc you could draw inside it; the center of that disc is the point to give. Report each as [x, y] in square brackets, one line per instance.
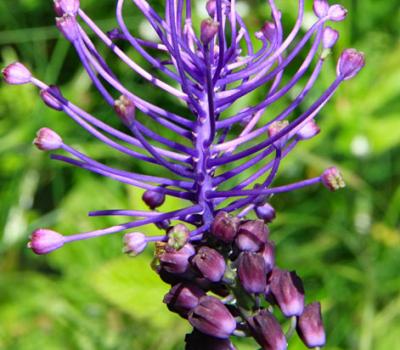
[310, 326]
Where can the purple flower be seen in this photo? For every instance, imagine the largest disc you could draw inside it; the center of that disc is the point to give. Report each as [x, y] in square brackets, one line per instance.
[224, 227]
[47, 140]
[176, 261]
[252, 272]
[134, 243]
[210, 263]
[16, 74]
[310, 326]
[45, 241]
[252, 235]
[212, 317]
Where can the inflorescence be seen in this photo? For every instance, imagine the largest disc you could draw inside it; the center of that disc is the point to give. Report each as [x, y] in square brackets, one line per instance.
[214, 247]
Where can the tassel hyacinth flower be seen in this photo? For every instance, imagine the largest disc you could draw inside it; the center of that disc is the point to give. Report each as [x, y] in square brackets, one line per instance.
[207, 66]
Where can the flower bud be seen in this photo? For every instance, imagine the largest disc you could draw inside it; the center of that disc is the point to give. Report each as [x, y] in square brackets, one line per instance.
[199, 341]
[332, 179]
[210, 263]
[337, 13]
[62, 7]
[224, 227]
[329, 37]
[265, 212]
[126, 110]
[212, 317]
[211, 7]
[114, 34]
[52, 96]
[268, 254]
[275, 128]
[208, 30]
[252, 272]
[176, 261]
[153, 199]
[68, 27]
[310, 326]
[16, 74]
[287, 290]
[182, 298]
[163, 225]
[134, 243]
[308, 131]
[350, 63]
[268, 31]
[43, 241]
[47, 140]
[321, 8]
[178, 236]
[252, 235]
[267, 331]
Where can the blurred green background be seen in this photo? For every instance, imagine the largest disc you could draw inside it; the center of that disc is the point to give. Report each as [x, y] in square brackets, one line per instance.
[345, 245]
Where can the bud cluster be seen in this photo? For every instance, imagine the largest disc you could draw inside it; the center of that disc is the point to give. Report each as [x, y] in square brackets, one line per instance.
[235, 261]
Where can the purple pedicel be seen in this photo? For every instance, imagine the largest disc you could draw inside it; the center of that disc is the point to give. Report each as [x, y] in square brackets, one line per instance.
[218, 160]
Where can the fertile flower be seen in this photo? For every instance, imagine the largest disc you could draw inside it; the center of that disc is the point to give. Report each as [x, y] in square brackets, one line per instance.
[310, 326]
[47, 140]
[183, 297]
[212, 317]
[16, 74]
[267, 331]
[134, 243]
[218, 158]
[45, 241]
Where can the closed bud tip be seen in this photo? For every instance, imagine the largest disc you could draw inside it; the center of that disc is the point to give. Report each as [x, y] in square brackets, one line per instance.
[210, 263]
[310, 326]
[212, 317]
[252, 235]
[337, 13]
[332, 179]
[350, 63]
[134, 243]
[211, 7]
[125, 109]
[68, 26]
[252, 272]
[47, 140]
[43, 241]
[16, 74]
[321, 8]
[208, 30]
[308, 131]
[224, 227]
[265, 212]
[329, 37]
[153, 199]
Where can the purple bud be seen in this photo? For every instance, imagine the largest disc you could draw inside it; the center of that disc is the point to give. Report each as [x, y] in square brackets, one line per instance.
[47, 140]
[199, 341]
[350, 63]
[208, 30]
[210, 263]
[268, 254]
[183, 298]
[321, 8]
[213, 318]
[329, 37]
[68, 27]
[211, 7]
[332, 179]
[62, 7]
[310, 326]
[252, 272]
[178, 236]
[224, 227]
[275, 128]
[114, 34]
[153, 199]
[265, 212]
[134, 243]
[176, 261]
[16, 74]
[126, 110]
[252, 235]
[288, 292]
[52, 96]
[308, 131]
[337, 13]
[163, 225]
[43, 241]
[268, 30]
[267, 331]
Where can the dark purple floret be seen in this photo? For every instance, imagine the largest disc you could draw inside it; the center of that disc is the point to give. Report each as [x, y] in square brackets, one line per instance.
[252, 272]
[209, 263]
[176, 261]
[252, 235]
[224, 227]
[310, 326]
[212, 317]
